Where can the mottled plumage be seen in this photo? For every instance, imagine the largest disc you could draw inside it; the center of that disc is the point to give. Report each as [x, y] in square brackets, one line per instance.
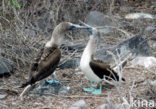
[44, 64]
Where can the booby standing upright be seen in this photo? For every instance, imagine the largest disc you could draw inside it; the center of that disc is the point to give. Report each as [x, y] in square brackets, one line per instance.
[95, 70]
[48, 58]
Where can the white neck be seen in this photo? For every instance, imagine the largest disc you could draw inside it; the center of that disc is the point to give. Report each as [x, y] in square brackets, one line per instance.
[55, 40]
[88, 51]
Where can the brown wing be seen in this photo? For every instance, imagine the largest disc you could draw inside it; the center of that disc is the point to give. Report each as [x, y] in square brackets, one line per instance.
[46, 65]
[34, 65]
[102, 69]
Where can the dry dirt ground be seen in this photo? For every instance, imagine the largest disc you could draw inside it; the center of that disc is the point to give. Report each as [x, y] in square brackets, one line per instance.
[9, 86]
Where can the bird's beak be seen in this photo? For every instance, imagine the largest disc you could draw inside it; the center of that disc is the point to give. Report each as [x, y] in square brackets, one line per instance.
[90, 29]
[84, 24]
[74, 26]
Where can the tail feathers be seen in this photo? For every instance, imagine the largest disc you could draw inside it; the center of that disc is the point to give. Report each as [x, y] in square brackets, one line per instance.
[24, 84]
[116, 76]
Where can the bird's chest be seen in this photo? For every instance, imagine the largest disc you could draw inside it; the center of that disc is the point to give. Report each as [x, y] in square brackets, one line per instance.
[86, 69]
[84, 62]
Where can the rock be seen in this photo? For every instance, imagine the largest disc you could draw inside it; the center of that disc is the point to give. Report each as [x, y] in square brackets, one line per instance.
[122, 2]
[46, 88]
[150, 29]
[72, 63]
[153, 5]
[135, 45]
[126, 8]
[81, 104]
[114, 106]
[4, 71]
[140, 16]
[102, 20]
[151, 82]
[3, 96]
[146, 62]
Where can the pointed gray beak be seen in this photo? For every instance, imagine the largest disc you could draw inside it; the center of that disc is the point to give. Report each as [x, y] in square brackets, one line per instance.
[84, 24]
[90, 29]
[74, 26]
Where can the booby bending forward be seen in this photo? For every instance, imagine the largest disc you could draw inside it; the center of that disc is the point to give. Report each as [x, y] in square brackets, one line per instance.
[48, 58]
[95, 70]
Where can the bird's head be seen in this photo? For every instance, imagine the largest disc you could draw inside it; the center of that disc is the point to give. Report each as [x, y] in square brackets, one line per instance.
[66, 26]
[60, 30]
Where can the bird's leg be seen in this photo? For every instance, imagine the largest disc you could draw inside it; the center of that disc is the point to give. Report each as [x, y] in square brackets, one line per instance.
[91, 89]
[97, 91]
[53, 81]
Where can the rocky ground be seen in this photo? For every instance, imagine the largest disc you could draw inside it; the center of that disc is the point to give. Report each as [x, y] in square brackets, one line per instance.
[24, 31]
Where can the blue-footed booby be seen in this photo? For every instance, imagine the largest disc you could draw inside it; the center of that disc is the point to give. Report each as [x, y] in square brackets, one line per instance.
[48, 58]
[95, 70]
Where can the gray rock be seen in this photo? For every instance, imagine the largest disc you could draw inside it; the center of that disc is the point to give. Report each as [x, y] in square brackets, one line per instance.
[81, 104]
[95, 18]
[154, 5]
[4, 71]
[135, 45]
[114, 106]
[146, 62]
[46, 88]
[126, 8]
[121, 2]
[3, 96]
[72, 63]
[150, 29]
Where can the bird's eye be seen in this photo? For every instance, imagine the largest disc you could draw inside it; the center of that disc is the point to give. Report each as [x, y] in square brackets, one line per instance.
[72, 27]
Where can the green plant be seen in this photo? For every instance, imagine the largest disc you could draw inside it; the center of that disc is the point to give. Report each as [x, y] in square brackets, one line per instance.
[15, 3]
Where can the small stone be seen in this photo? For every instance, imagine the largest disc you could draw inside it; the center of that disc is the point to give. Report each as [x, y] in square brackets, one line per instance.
[72, 63]
[64, 90]
[126, 8]
[81, 104]
[146, 62]
[3, 96]
[4, 70]
[150, 29]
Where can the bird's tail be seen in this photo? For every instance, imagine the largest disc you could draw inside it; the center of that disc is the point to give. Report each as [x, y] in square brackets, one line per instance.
[24, 84]
[115, 76]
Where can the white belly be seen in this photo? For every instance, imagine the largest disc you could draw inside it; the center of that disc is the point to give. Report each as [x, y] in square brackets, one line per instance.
[88, 72]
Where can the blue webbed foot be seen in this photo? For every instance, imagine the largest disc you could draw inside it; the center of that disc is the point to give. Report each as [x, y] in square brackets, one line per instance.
[88, 89]
[97, 91]
[91, 89]
[52, 82]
